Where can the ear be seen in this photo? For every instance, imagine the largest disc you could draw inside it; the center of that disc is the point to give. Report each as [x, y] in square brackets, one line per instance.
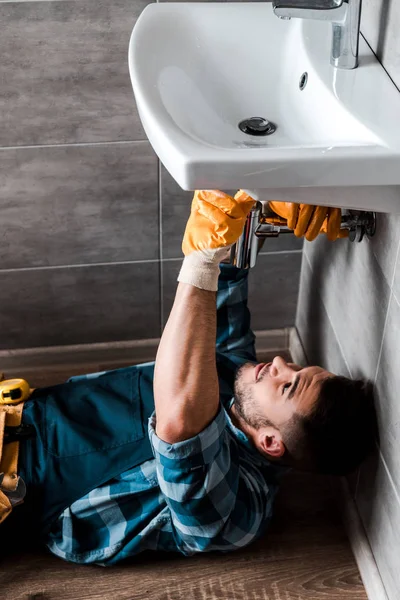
[270, 440]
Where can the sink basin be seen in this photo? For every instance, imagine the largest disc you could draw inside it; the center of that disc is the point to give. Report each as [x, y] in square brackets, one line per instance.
[198, 70]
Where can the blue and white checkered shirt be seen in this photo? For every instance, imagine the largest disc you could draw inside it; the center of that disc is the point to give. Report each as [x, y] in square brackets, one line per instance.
[211, 492]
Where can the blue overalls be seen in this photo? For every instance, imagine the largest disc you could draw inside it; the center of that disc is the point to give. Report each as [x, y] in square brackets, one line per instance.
[87, 432]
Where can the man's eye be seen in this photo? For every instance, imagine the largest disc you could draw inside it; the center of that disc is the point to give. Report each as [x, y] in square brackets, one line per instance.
[286, 387]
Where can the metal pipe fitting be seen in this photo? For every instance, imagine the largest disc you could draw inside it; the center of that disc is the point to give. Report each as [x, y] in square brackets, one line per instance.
[244, 252]
[260, 226]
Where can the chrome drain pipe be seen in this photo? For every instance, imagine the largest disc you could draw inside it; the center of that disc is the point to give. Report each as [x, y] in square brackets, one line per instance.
[257, 228]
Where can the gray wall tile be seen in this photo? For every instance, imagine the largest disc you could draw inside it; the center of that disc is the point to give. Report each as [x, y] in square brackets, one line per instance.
[385, 242]
[170, 270]
[175, 207]
[65, 72]
[314, 327]
[396, 283]
[283, 243]
[46, 307]
[78, 204]
[273, 289]
[211, 0]
[175, 212]
[387, 387]
[356, 296]
[379, 508]
[380, 23]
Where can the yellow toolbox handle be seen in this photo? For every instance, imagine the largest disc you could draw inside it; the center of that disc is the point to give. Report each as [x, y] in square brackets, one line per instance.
[14, 391]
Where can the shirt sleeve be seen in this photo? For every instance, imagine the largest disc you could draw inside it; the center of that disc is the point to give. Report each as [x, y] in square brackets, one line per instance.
[234, 334]
[215, 503]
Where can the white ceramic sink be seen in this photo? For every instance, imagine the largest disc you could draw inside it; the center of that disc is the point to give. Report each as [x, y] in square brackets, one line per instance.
[197, 70]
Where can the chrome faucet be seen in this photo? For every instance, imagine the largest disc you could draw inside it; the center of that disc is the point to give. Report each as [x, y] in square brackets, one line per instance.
[345, 17]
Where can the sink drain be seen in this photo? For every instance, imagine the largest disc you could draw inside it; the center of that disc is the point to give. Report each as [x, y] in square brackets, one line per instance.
[257, 126]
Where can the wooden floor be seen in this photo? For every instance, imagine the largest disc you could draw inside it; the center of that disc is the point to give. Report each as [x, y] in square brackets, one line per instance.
[305, 555]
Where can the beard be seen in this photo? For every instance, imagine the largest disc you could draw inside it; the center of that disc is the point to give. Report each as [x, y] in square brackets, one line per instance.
[245, 403]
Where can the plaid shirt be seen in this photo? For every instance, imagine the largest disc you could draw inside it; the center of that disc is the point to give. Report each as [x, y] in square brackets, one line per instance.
[211, 492]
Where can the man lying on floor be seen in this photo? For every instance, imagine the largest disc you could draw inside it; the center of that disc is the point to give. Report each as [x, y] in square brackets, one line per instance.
[185, 456]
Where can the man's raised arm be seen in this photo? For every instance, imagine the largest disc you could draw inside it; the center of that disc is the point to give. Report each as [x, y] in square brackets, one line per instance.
[185, 383]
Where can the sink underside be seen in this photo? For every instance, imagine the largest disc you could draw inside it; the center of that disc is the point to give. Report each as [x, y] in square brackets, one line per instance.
[198, 70]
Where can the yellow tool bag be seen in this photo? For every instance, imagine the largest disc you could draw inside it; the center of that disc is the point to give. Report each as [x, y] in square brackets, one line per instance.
[13, 393]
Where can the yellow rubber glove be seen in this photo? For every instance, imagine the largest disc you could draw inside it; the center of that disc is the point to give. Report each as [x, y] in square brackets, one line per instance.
[216, 222]
[309, 220]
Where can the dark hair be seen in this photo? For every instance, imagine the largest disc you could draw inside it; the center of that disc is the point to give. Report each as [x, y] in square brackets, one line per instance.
[340, 431]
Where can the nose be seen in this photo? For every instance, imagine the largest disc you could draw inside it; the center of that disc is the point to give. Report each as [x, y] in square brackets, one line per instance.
[278, 366]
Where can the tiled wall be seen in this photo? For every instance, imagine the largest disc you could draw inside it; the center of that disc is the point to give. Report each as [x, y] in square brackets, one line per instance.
[380, 23]
[90, 227]
[349, 321]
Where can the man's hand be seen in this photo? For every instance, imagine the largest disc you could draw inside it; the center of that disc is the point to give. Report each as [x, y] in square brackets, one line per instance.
[186, 390]
[215, 223]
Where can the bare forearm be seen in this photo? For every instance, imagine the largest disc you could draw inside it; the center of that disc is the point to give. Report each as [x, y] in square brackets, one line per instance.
[185, 382]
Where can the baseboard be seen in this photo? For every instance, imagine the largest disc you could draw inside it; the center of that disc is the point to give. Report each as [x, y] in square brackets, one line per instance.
[296, 348]
[360, 546]
[56, 357]
[12, 362]
[359, 543]
[272, 340]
